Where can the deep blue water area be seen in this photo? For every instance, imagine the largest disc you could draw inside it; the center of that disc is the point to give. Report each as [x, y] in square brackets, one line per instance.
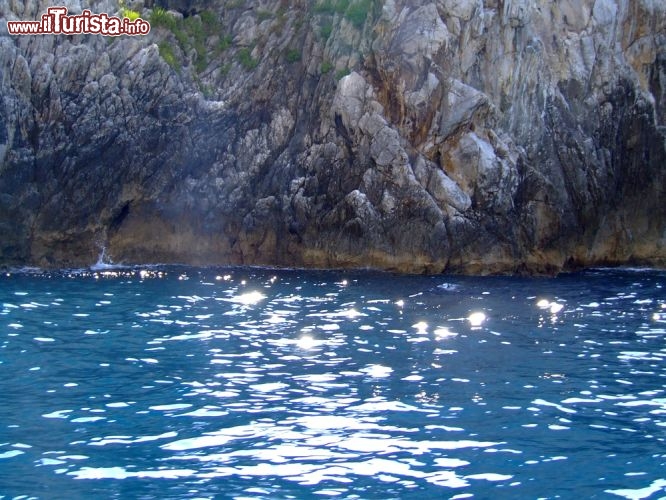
[178, 382]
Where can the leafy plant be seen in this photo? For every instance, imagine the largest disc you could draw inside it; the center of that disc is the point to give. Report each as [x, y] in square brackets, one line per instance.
[325, 67]
[167, 53]
[281, 21]
[206, 91]
[341, 6]
[130, 14]
[160, 17]
[263, 15]
[201, 61]
[357, 13]
[194, 28]
[246, 59]
[209, 19]
[341, 73]
[224, 43]
[326, 30]
[331, 7]
[181, 36]
[190, 33]
[324, 7]
[293, 55]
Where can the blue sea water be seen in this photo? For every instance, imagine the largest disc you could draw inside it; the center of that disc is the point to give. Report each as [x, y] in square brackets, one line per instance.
[176, 382]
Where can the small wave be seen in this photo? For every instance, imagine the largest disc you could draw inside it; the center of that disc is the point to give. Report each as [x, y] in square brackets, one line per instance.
[103, 266]
[627, 269]
[104, 263]
[448, 287]
[25, 270]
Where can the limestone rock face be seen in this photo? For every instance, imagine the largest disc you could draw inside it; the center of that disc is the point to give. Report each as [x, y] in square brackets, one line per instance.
[451, 135]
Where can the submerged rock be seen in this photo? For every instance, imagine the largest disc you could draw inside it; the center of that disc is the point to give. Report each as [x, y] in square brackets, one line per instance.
[451, 135]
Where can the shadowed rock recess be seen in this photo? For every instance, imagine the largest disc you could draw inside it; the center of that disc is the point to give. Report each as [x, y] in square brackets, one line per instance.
[453, 135]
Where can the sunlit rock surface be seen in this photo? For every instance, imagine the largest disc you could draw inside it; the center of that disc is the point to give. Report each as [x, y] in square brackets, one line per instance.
[454, 135]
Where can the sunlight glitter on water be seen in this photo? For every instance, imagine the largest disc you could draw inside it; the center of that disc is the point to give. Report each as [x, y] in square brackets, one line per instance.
[332, 384]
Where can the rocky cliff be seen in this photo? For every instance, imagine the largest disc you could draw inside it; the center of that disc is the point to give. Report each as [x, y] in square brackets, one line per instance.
[423, 136]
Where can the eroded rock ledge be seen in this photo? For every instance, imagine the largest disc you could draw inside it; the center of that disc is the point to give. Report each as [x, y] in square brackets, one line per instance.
[453, 135]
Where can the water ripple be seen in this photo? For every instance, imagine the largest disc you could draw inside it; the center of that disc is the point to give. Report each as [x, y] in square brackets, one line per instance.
[309, 384]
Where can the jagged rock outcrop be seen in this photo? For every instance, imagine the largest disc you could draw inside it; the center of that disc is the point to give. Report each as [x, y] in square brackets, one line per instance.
[451, 135]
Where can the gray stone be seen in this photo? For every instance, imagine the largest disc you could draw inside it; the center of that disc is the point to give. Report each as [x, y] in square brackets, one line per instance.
[468, 136]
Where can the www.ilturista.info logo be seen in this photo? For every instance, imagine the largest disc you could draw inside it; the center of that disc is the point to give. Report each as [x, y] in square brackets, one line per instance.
[56, 22]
